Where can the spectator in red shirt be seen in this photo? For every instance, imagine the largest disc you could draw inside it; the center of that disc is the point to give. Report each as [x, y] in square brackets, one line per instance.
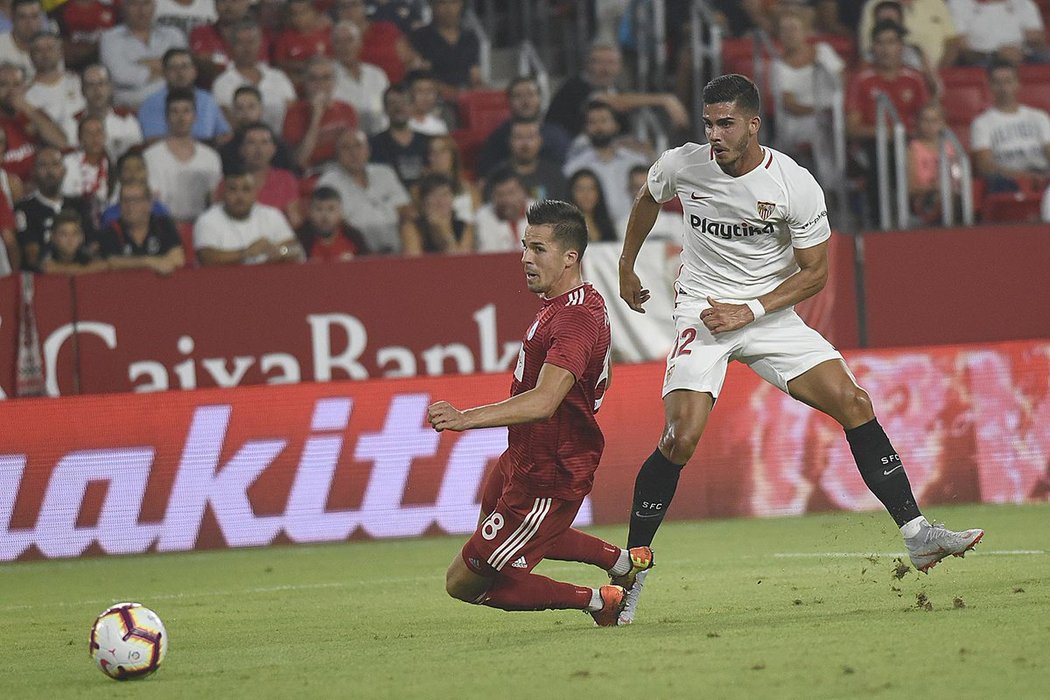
[276, 187]
[309, 34]
[325, 235]
[316, 122]
[382, 43]
[887, 74]
[210, 43]
[82, 23]
[24, 124]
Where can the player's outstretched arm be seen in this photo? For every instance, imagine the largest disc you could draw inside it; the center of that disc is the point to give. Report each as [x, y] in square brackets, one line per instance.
[640, 223]
[538, 403]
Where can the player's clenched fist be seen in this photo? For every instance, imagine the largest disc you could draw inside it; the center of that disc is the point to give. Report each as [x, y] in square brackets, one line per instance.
[444, 416]
[722, 317]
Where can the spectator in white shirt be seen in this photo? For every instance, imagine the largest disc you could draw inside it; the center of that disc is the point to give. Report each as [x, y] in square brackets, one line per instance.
[499, 224]
[360, 84]
[54, 89]
[611, 162]
[1008, 29]
[185, 15]
[27, 18]
[239, 230]
[245, 68]
[183, 172]
[1010, 141]
[122, 127]
[87, 169]
[374, 200]
[132, 52]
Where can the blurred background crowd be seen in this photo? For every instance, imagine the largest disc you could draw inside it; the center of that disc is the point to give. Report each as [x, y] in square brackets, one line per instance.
[162, 134]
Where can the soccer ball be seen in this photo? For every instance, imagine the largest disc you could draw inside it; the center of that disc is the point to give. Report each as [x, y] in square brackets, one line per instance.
[128, 641]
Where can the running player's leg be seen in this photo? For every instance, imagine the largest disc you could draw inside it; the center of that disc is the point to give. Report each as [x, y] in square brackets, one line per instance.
[575, 545]
[685, 417]
[696, 370]
[829, 387]
[494, 567]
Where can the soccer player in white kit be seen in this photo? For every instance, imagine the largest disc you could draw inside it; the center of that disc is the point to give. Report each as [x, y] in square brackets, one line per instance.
[757, 245]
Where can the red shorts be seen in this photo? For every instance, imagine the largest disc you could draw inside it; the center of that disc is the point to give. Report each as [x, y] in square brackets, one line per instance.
[519, 528]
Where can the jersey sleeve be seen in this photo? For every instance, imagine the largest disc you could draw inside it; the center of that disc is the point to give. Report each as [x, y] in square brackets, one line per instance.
[574, 332]
[807, 215]
[661, 179]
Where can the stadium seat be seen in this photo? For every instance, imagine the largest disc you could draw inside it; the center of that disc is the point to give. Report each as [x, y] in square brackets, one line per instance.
[479, 112]
[1011, 207]
[738, 56]
[966, 94]
[1035, 85]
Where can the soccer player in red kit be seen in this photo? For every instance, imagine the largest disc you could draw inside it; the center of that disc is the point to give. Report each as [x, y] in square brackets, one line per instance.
[531, 497]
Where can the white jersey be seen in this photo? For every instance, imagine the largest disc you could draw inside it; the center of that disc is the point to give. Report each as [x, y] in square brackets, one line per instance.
[740, 231]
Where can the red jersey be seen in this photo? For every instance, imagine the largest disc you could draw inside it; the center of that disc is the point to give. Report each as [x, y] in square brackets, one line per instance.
[557, 457]
[907, 91]
[338, 247]
[293, 45]
[21, 147]
[206, 41]
[85, 21]
[339, 117]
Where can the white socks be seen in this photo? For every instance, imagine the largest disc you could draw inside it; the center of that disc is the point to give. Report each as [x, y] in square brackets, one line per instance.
[912, 527]
[622, 565]
[596, 603]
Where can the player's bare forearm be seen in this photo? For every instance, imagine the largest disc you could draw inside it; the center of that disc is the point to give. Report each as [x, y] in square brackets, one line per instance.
[538, 403]
[810, 279]
[722, 317]
[639, 224]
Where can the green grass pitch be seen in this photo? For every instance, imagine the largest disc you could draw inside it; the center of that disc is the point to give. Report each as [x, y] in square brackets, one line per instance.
[769, 608]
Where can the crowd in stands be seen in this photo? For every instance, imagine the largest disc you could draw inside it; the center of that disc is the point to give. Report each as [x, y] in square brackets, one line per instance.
[164, 133]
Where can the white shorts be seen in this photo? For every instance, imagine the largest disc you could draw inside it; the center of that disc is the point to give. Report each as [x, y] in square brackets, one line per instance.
[779, 347]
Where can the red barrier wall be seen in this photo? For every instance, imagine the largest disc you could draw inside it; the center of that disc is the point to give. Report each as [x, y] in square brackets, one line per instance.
[315, 462]
[381, 317]
[275, 324]
[957, 285]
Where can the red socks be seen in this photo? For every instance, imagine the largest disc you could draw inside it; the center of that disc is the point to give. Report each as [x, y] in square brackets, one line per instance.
[574, 545]
[535, 592]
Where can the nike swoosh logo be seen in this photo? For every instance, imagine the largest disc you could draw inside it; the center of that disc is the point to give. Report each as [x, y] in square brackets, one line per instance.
[887, 473]
[694, 196]
[644, 516]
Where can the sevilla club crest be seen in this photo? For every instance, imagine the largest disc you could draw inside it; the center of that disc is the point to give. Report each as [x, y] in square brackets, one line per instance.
[765, 209]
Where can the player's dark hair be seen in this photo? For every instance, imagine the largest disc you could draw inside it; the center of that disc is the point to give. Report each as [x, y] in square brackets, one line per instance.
[180, 95]
[325, 193]
[888, 25]
[568, 226]
[734, 88]
[998, 63]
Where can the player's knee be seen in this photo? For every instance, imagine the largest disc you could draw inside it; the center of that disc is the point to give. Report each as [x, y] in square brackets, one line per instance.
[462, 585]
[679, 442]
[856, 406]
